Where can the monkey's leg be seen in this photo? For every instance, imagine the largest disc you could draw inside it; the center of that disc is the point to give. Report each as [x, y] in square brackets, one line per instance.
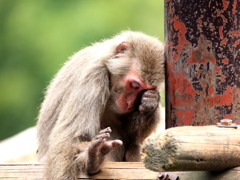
[133, 153]
[98, 149]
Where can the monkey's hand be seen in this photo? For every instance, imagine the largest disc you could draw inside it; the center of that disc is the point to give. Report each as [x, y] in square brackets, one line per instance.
[99, 148]
[149, 101]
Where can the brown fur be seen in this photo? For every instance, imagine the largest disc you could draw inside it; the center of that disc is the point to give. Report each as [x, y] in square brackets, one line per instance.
[80, 101]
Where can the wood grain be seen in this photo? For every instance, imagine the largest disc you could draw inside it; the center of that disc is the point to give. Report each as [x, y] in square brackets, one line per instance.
[116, 170]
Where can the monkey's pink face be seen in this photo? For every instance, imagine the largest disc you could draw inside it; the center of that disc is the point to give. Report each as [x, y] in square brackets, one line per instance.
[133, 86]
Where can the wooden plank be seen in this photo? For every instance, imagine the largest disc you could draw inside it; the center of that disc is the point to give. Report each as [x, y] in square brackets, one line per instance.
[21, 171]
[123, 170]
[119, 170]
[116, 170]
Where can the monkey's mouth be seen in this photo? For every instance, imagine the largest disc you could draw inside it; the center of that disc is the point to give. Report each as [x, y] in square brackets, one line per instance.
[127, 101]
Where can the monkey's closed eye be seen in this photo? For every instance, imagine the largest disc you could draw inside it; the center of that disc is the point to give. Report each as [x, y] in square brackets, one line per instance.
[135, 85]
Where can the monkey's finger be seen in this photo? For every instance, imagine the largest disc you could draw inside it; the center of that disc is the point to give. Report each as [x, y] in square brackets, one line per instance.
[104, 136]
[154, 94]
[148, 100]
[151, 91]
[143, 109]
[95, 145]
[147, 107]
[106, 130]
[155, 97]
[109, 145]
[117, 143]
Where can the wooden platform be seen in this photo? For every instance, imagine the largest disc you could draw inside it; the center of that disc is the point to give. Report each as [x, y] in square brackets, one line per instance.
[119, 170]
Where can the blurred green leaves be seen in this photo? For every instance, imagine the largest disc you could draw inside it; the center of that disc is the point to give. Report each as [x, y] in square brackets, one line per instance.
[37, 37]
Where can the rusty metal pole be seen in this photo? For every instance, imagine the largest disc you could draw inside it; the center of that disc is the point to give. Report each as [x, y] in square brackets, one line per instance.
[202, 40]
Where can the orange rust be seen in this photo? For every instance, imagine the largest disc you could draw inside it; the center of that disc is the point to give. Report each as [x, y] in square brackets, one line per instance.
[221, 31]
[234, 7]
[217, 69]
[193, 58]
[225, 4]
[224, 41]
[181, 28]
[186, 115]
[199, 21]
[225, 61]
[234, 33]
[210, 90]
[224, 99]
[218, 12]
[229, 116]
[236, 43]
[175, 57]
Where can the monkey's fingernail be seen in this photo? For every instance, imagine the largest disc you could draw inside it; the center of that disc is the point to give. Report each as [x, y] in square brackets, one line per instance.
[108, 129]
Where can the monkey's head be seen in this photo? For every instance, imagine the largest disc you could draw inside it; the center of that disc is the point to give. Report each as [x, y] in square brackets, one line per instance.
[137, 66]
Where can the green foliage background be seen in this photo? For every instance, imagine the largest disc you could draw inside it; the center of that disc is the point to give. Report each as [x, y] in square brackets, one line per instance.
[37, 37]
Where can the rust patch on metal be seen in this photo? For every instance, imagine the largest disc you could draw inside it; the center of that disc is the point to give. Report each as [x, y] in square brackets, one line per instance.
[202, 40]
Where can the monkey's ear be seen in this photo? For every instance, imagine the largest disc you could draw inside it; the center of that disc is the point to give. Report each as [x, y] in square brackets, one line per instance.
[122, 47]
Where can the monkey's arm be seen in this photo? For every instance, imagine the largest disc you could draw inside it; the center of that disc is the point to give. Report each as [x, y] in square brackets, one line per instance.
[146, 117]
[74, 156]
[141, 123]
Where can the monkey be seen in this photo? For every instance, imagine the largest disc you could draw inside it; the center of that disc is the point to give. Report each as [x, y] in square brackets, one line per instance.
[101, 105]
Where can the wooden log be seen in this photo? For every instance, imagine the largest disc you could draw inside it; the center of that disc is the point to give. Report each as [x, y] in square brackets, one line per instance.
[116, 170]
[193, 148]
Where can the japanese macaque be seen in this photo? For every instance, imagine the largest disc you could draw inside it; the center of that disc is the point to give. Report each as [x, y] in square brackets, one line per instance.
[101, 105]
